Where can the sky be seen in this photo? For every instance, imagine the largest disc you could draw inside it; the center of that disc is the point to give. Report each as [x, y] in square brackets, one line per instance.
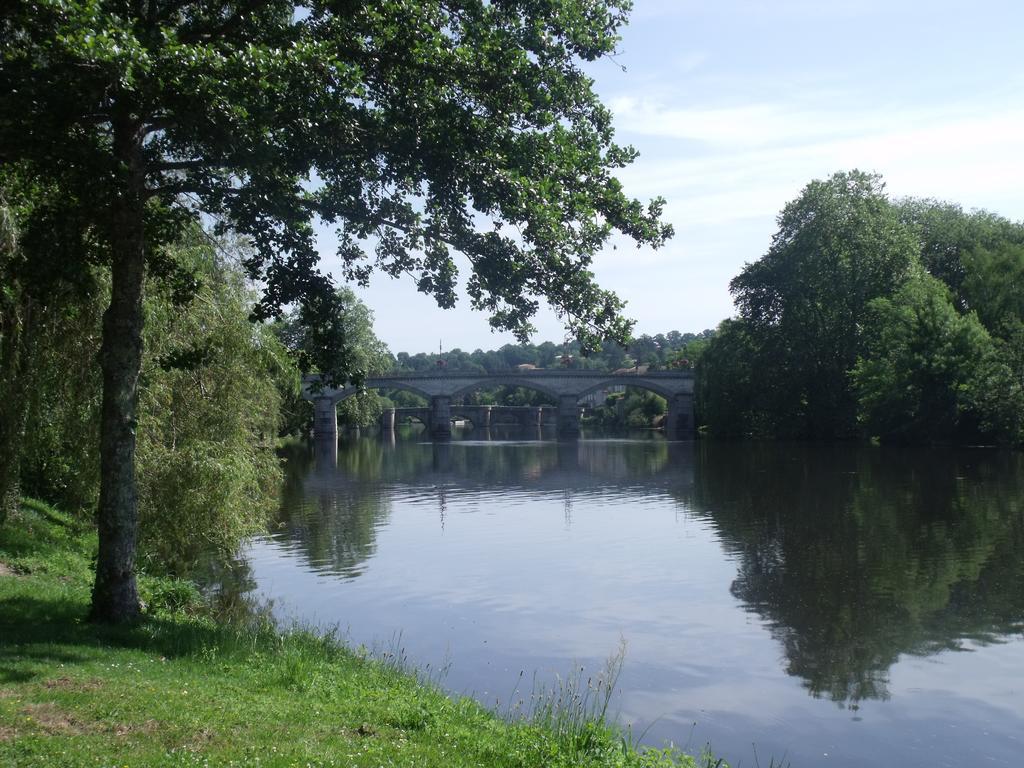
[735, 105]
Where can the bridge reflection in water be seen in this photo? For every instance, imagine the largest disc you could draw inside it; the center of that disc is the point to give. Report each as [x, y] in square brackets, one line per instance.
[566, 387]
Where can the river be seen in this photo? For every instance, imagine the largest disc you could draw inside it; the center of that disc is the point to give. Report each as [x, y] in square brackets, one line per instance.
[826, 605]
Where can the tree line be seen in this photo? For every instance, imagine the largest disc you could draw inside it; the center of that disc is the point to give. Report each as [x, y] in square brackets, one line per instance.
[896, 319]
[662, 351]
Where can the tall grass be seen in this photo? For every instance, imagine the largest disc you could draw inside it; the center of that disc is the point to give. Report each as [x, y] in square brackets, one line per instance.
[575, 707]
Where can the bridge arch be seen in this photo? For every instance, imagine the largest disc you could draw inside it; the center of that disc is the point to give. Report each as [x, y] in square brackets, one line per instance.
[507, 381]
[458, 413]
[637, 383]
[410, 387]
[420, 416]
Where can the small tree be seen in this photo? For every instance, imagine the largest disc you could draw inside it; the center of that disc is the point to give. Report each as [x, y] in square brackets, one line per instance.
[426, 125]
[362, 351]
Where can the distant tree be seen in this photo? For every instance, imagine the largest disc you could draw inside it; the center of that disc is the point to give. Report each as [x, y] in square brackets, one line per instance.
[414, 122]
[646, 350]
[615, 357]
[661, 350]
[547, 355]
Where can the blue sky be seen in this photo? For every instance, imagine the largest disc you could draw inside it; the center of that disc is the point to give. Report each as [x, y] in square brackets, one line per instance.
[735, 105]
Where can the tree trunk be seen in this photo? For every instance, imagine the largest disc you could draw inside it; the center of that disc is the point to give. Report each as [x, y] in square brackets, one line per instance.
[15, 358]
[115, 597]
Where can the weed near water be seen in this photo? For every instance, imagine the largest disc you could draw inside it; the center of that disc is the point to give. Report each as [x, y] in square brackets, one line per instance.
[575, 707]
[184, 688]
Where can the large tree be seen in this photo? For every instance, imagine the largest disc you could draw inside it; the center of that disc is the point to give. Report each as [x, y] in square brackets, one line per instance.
[839, 245]
[416, 127]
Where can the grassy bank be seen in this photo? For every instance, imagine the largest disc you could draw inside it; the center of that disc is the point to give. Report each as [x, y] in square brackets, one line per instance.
[183, 689]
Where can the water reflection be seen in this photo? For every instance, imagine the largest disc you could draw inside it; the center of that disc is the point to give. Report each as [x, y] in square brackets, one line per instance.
[851, 555]
[334, 503]
[744, 576]
[857, 555]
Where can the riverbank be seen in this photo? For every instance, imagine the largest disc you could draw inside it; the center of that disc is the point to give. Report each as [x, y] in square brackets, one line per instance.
[183, 689]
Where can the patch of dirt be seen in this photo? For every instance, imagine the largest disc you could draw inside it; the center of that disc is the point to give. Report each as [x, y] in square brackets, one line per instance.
[55, 721]
[6, 570]
[7, 693]
[124, 729]
[200, 739]
[7, 734]
[67, 684]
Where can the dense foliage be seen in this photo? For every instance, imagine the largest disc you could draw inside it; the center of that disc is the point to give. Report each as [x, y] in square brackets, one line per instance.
[902, 320]
[926, 369]
[839, 245]
[208, 414]
[48, 305]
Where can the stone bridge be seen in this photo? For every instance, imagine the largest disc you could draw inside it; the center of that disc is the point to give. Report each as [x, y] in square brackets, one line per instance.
[565, 387]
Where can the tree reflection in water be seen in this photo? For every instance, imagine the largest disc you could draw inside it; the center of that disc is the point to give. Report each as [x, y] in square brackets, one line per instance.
[854, 555]
[851, 555]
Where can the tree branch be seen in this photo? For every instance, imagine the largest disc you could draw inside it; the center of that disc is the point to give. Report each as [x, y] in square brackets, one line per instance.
[157, 124]
[225, 27]
[187, 165]
[172, 189]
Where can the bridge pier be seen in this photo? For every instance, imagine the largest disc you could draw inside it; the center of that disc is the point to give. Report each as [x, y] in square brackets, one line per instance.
[325, 420]
[549, 415]
[485, 418]
[325, 455]
[534, 417]
[679, 421]
[568, 416]
[440, 416]
[387, 421]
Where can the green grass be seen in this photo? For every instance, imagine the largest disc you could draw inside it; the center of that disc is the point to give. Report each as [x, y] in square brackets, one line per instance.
[183, 689]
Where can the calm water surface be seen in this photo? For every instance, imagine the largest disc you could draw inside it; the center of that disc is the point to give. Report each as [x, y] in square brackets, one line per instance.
[832, 605]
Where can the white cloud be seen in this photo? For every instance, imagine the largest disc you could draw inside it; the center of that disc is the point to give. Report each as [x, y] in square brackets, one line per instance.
[751, 159]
